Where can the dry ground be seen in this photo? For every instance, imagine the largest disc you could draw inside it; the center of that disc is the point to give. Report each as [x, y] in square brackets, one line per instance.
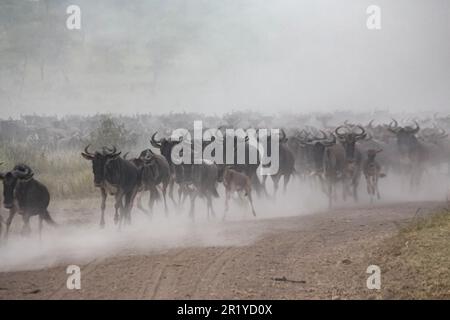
[318, 256]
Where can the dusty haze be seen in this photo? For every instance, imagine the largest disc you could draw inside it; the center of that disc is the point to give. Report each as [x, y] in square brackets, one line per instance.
[215, 56]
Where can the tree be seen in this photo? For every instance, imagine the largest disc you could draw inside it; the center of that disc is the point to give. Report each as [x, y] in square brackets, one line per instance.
[111, 133]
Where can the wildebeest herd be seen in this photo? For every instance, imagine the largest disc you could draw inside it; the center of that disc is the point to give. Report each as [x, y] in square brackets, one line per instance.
[331, 159]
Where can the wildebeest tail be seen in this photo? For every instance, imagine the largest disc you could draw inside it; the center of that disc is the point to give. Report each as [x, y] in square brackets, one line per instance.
[48, 219]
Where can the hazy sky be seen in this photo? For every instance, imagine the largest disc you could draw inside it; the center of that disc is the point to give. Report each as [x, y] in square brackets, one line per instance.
[215, 56]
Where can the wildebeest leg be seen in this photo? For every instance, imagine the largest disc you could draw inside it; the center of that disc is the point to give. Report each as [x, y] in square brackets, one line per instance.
[249, 196]
[227, 200]
[129, 199]
[209, 210]
[152, 199]
[12, 213]
[276, 180]
[102, 207]
[367, 183]
[376, 186]
[26, 224]
[139, 203]
[180, 194]
[164, 191]
[355, 184]
[286, 181]
[118, 205]
[171, 187]
[330, 193]
[193, 195]
[40, 226]
[185, 191]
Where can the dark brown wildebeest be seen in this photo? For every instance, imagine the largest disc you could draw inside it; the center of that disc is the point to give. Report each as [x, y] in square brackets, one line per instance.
[26, 196]
[353, 157]
[154, 171]
[177, 172]
[286, 161]
[235, 181]
[203, 183]
[193, 179]
[328, 163]
[116, 176]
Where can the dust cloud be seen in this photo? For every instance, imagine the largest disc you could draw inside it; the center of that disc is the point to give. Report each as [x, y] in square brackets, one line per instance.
[79, 240]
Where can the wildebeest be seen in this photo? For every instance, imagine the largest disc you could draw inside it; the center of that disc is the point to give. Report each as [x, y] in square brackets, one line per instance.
[235, 181]
[116, 176]
[286, 161]
[414, 152]
[372, 172]
[204, 184]
[177, 172]
[154, 171]
[192, 179]
[353, 157]
[26, 196]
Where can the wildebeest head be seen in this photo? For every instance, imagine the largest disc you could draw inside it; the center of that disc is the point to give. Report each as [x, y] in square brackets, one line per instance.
[371, 153]
[20, 172]
[99, 162]
[406, 136]
[349, 137]
[433, 135]
[315, 146]
[164, 145]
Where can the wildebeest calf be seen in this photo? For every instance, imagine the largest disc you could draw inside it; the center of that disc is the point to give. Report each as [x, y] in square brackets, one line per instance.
[372, 172]
[24, 195]
[235, 181]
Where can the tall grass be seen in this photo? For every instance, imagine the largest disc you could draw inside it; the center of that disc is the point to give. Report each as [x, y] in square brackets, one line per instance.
[65, 173]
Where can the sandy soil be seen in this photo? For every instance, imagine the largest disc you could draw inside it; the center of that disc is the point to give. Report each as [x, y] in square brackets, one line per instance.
[322, 255]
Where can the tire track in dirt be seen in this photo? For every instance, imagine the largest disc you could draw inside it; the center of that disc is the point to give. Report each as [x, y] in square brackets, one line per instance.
[324, 255]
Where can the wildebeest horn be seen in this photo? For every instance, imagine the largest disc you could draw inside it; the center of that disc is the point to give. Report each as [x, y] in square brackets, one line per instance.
[370, 124]
[86, 151]
[283, 137]
[363, 131]
[109, 151]
[393, 126]
[416, 129]
[324, 135]
[340, 135]
[22, 171]
[442, 133]
[331, 142]
[155, 143]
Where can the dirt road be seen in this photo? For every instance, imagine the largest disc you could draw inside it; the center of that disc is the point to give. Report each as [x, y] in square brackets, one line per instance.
[322, 255]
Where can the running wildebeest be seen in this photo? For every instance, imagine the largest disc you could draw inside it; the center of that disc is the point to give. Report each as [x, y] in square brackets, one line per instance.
[192, 179]
[372, 172]
[286, 162]
[116, 176]
[204, 182]
[177, 172]
[353, 157]
[26, 196]
[154, 170]
[414, 152]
